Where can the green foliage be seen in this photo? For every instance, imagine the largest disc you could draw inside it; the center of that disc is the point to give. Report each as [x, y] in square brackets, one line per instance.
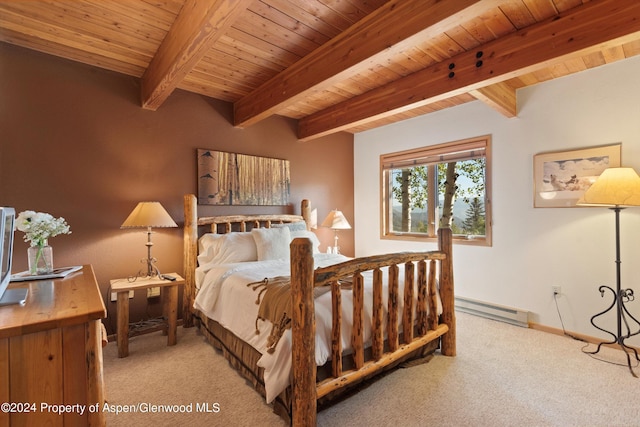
[410, 190]
[473, 170]
[417, 186]
[474, 223]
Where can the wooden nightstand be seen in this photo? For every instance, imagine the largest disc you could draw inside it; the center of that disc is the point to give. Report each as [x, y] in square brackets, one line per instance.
[169, 291]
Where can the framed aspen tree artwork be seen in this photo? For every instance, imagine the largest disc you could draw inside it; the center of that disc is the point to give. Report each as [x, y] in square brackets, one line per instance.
[239, 179]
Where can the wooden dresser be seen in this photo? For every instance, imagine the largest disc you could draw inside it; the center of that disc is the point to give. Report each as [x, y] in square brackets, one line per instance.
[51, 354]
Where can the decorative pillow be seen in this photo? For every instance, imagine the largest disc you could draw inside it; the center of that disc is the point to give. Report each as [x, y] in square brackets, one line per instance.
[227, 248]
[292, 226]
[310, 235]
[272, 243]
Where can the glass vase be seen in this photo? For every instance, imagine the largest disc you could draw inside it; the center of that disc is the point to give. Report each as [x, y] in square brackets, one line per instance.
[40, 259]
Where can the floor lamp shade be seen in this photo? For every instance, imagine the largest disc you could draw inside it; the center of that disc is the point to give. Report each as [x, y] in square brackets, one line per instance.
[614, 187]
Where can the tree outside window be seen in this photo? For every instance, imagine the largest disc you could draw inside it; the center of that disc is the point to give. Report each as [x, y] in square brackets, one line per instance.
[446, 185]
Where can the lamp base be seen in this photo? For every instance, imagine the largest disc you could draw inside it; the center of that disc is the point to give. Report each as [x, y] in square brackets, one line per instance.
[152, 269]
[620, 297]
[619, 300]
[336, 248]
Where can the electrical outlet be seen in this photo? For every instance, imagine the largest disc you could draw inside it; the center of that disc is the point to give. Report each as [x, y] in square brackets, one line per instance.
[114, 296]
[153, 292]
[557, 290]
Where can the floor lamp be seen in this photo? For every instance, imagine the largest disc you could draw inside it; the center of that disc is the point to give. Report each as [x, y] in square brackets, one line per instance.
[149, 215]
[616, 189]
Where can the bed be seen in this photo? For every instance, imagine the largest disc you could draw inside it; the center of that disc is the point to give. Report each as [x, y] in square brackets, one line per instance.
[304, 326]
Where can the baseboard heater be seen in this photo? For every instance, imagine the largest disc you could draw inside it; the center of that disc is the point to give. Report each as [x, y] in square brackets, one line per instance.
[515, 316]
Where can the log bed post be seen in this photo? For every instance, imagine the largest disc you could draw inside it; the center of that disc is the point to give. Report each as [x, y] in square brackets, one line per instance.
[445, 244]
[305, 211]
[190, 257]
[303, 331]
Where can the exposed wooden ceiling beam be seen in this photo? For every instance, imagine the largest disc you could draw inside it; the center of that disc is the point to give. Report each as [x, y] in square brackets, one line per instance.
[198, 25]
[387, 30]
[531, 48]
[500, 96]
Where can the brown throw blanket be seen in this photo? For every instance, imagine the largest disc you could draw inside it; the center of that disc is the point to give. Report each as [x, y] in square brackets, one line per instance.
[274, 298]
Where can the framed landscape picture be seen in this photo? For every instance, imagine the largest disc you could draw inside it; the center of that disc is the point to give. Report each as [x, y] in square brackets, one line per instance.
[239, 179]
[560, 178]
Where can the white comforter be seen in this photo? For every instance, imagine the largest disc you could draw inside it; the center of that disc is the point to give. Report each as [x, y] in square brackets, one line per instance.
[225, 297]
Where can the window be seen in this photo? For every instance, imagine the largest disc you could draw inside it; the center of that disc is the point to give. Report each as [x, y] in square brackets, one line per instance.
[429, 187]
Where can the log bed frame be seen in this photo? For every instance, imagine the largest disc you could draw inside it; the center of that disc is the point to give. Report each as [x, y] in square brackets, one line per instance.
[398, 345]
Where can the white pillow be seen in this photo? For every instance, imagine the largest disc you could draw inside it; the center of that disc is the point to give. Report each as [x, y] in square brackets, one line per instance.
[292, 226]
[272, 243]
[315, 242]
[206, 240]
[227, 248]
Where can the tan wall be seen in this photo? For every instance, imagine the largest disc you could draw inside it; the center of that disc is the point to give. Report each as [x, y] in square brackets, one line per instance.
[75, 142]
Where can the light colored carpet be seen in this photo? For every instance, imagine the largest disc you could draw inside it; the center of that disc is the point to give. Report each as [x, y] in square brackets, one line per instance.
[503, 375]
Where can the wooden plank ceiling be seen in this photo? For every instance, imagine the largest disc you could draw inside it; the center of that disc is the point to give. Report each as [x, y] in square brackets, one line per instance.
[333, 65]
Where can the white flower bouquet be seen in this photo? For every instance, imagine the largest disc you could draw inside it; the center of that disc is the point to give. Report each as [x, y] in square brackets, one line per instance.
[40, 226]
